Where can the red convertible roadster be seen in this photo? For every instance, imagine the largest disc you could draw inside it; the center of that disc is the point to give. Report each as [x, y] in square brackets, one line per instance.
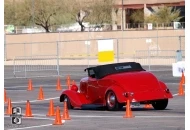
[110, 85]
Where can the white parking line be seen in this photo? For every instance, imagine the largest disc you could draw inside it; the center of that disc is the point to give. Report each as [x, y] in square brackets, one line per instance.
[34, 118]
[31, 127]
[54, 98]
[16, 90]
[35, 86]
[161, 116]
[87, 116]
[36, 100]
[175, 94]
[43, 115]
[174, 83]
[94, 116]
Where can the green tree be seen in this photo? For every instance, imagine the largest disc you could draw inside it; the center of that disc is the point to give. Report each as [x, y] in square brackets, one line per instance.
[44, 13]
[137, 16]
[14, 13]
[164, 14]
[101, 12]
[47, 13]
[8, 12]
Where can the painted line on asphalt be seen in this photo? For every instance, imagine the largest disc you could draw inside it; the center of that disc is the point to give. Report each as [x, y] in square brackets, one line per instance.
[134, 116]
[174, 83]
[42, 115]
[37, 126]
[30, 127]
[35, 86]
[36, 100]
[16, 90]
[47, 85]
[40, 118]
[175, 94]
[54, 98]
[161, 116]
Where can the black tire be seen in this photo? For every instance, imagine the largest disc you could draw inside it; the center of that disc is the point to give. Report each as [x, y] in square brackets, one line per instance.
[160, 104]
[69, 106]
[111, 101]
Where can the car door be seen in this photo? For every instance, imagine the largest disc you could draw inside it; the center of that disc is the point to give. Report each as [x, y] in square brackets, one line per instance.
[92, 88]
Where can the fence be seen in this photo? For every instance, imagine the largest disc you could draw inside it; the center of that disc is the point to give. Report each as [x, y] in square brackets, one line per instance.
[104, 27]
[27, 66]
[46, 58]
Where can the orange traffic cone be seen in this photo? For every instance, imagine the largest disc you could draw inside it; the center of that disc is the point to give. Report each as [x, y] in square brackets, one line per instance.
[147, 106]
[181, 90]
[30, 86]
[68, 82]
[28, 112]
[51, 109]
[58, 120]
[41, 94]
[9, 107]
[65, 112]
[183, 78]
[58, 87]
[5, 96]
[128, 113]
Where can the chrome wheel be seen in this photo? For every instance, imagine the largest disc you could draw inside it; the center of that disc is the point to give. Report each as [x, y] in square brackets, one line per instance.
[111, 99]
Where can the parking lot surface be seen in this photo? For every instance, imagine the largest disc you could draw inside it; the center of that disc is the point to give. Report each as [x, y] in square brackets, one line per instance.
[172, 118]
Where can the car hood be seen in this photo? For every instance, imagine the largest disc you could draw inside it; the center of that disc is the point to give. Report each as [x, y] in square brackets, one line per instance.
[136, 81]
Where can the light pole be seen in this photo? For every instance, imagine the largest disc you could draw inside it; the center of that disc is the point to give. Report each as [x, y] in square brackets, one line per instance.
[122, 17]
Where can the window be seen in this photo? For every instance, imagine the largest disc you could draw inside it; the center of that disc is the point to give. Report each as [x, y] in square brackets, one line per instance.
[91, 73]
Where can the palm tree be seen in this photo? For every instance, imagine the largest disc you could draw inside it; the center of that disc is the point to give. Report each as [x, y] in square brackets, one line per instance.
[163, 14]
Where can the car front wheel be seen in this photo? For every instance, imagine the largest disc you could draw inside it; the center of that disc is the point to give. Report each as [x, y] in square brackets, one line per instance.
[160, 104]
[111, 101]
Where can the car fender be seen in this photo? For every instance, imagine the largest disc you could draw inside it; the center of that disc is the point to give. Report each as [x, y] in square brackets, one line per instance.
[76, 98]
[164, 87]
[119, 92]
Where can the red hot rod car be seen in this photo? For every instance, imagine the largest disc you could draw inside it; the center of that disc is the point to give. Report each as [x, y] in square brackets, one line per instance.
[110, 85]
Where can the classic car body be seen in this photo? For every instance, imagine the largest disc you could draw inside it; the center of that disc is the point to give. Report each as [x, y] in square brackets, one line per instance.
[112, 84]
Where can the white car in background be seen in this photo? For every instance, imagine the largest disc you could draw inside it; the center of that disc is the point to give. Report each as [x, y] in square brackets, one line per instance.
[33, 30]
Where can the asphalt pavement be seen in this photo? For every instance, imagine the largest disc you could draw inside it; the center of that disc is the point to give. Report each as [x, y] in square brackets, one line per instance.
[172, 118]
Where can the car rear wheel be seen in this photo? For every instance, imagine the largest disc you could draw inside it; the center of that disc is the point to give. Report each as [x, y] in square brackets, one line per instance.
[160, 104]
[66, 98]
[111, 101]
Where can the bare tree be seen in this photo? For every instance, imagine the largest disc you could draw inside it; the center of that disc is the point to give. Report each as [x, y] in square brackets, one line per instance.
[80, 18]
[45, 12]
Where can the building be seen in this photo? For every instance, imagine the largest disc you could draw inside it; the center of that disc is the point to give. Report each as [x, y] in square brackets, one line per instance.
[128, 6]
